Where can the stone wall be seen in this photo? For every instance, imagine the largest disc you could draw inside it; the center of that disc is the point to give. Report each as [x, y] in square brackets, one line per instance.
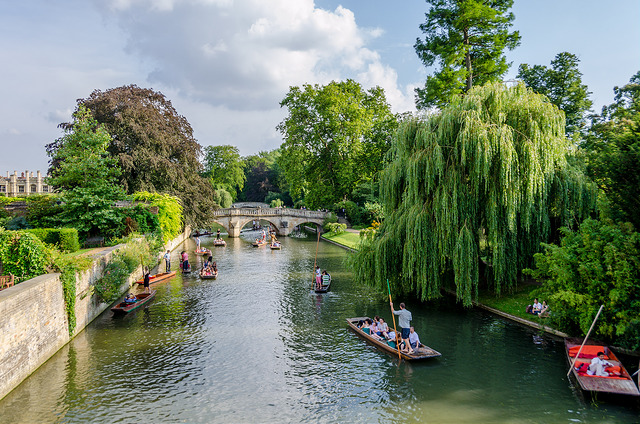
[33, 317]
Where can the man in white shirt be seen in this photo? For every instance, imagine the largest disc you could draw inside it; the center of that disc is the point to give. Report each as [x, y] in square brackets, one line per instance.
[598, 365]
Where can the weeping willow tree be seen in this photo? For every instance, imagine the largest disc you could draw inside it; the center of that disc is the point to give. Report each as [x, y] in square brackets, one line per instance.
[471, 192]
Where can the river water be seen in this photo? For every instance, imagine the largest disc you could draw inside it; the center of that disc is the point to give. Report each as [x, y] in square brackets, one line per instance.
[257, 345]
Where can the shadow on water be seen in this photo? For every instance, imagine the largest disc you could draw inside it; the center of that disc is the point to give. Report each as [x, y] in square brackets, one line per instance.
[258, 345]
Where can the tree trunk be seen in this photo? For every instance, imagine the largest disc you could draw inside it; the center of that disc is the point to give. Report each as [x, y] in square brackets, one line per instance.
[467, 60]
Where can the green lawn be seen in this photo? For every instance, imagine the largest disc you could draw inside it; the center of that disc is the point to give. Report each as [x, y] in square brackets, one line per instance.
[514, 303]
[77, 253]
[347, 239]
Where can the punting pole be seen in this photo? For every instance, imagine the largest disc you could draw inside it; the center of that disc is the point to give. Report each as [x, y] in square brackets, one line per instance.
[585, 340]
[393, 317]
[315, 260]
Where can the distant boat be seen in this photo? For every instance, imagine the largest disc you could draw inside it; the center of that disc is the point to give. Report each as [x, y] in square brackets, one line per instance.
[203, 252]
[157, 278]
[276, 245]
[323, 287]
[259, 243]
[208, 276]
[141, 299]
[422, 352]
[219, 242]
[618, 385]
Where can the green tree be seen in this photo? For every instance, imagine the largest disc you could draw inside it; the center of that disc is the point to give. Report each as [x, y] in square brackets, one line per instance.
[153, 144]
[335, 136]
[224, 166]
[467, 39]
[562, 84]
[264, 175]
[485, 178]
[613, 146]
[598, 264]
[87, 176]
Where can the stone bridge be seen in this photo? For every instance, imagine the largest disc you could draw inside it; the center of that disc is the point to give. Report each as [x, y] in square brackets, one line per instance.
[284, 220]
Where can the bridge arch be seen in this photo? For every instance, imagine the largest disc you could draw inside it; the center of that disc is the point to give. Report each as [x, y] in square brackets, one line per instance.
[284, 220]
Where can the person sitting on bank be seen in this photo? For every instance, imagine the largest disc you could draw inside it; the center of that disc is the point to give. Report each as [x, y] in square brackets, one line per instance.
[544, 312]
[598, 365]
[414, 340]
[535, 308]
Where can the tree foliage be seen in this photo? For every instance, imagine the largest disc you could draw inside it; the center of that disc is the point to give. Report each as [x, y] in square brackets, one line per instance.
[613, 146]
[153, 144]
[562, 84]
[335, 136]
[487, 177]
[224, 166]
[467, 39]
[263, 175]
[23, 255]
[598, 264]
[87, 177]
[170, 212]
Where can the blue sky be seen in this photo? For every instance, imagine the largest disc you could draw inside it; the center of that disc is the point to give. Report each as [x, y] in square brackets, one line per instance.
[226, 64]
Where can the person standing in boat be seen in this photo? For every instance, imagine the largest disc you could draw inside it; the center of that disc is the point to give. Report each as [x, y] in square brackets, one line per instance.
[404, 321]
[185, 261]
[167, 260]
[147, 277]
[198, 243]
[318, 277]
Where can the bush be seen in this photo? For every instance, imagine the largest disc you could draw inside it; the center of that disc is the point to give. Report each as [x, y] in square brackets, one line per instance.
[17, 223]
[330, 219]
[169, 212]
[23, 254]
[277, 203]
[65, 239]
[355, 214]
[43, 211]
[336, 228]
[598, 264]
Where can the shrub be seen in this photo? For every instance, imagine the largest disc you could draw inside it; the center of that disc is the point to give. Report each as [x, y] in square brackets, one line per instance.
[43, 211]
[23, 254]
[65, 239]
[277, 203]
[336, 228]
[17, 223]
[169, 212]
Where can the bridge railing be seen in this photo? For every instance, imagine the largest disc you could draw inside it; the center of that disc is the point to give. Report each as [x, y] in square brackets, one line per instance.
[258, 212]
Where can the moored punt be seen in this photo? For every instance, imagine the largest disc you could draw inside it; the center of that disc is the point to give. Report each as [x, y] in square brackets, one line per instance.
[203, 252]
[141, 299]
[158, 277]
[618, 385]
[219, 242]
[422, 352]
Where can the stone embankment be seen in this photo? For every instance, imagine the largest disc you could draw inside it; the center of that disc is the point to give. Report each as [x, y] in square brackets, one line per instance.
[33, 318]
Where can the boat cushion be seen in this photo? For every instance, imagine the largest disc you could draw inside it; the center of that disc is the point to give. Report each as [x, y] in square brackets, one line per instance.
[587, 352]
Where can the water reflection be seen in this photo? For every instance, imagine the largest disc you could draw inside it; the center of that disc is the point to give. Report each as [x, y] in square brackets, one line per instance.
[258, 345]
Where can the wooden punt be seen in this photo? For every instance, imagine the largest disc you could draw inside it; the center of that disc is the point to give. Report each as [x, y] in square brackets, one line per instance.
[259, 243]
[219, 242]
[157, 278]
[203, 252]
[187, 271]
[323, 287]
[622, 385]
[422, 352]
[208, 277]
[276, 245]
[142, 299]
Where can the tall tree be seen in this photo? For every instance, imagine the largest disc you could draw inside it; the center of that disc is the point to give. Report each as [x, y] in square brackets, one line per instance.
[224, 166]
[562, 84]
[467, 39]
[484, 178]
[335, 136]
[263, 176]
[154, 146]
[87, 176]
[613, 145]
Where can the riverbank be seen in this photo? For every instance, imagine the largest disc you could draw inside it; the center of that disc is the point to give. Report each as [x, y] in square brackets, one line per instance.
[34, 323]
[511, 306]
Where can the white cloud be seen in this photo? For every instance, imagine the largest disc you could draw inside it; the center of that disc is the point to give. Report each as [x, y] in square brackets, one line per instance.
[245, 54]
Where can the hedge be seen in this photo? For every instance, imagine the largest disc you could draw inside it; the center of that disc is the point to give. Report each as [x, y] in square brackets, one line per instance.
[65, 239]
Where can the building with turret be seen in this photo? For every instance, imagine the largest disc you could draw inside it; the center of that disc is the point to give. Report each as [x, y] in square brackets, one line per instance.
[23, 185]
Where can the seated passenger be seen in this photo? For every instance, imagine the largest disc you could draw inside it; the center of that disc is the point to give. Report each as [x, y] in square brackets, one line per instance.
[383, 328]
[326, 278]
[131, 298]
[366, 326]
[598, 365]
[414, 340]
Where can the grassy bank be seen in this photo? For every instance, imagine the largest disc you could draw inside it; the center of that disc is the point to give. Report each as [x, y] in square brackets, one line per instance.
[347, 239]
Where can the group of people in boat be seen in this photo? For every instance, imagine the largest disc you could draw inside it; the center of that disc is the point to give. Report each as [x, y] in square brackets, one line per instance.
[210, 268]
[379, 330]
[322, 278]
[538, 309]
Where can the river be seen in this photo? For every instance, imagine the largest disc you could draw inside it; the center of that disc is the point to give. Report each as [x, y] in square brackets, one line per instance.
[257, 345]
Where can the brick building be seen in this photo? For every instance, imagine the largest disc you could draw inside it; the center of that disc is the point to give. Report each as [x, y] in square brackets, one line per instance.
[23, 185]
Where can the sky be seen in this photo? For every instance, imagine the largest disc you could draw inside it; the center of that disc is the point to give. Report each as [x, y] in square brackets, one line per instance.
[226, 64]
